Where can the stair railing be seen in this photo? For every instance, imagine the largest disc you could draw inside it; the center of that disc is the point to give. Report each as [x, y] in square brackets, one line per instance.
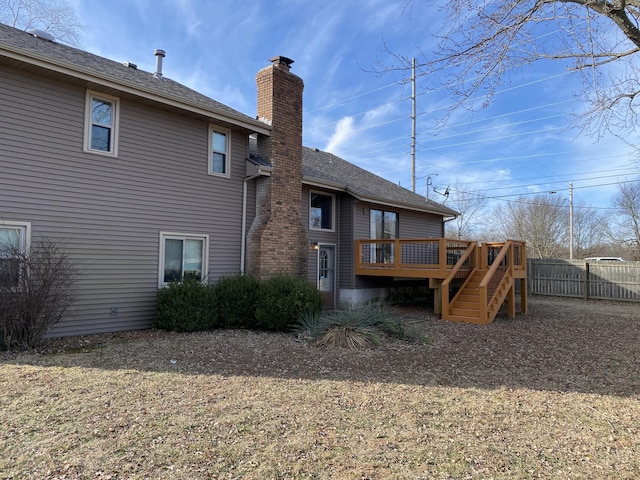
[463, 269]
[502, 265]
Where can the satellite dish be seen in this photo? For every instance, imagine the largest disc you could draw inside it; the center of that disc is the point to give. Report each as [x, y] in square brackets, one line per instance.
[36, 32]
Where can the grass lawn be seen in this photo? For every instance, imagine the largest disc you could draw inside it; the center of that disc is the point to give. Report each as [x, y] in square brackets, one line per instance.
[554, 394]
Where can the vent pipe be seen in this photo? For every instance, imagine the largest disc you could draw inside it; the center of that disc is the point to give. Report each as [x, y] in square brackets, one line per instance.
[160, 54]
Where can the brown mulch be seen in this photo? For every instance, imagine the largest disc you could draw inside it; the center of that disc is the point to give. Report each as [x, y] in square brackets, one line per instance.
[562, 344]
[553, 394]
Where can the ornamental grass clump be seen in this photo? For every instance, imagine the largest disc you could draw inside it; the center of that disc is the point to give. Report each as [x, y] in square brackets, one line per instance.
[356, 327]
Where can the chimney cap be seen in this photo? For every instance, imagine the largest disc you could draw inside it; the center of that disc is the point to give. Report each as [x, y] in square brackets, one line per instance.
[280, 60]
[159, 52]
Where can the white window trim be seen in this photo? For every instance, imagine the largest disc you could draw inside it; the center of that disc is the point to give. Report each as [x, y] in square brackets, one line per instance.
[26, 242]
[183, 236]
[333, 211]
[227, 166]
[87, 123]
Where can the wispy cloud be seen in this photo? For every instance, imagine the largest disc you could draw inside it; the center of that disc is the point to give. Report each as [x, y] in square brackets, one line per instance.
[342, 135]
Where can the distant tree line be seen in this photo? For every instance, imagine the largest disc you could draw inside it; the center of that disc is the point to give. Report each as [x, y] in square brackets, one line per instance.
[543, 221]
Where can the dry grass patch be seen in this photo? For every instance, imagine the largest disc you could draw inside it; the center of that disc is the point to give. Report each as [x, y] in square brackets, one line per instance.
[555, 394]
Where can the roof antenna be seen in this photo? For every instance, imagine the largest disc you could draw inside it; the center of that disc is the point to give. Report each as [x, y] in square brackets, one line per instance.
[445, 194]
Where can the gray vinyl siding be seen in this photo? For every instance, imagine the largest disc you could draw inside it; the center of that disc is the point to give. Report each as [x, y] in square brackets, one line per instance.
[411, 224]
[419, 225]
[109, 211]
[346, 245]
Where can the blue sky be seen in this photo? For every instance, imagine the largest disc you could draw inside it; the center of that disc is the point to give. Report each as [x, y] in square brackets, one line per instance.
[523, 143]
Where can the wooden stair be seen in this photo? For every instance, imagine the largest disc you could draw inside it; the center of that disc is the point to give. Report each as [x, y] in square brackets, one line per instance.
[486, 287]
[466, 305]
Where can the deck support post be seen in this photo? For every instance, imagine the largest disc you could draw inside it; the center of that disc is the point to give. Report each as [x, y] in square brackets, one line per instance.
[511, 302]
[436, 285]
[523, 296]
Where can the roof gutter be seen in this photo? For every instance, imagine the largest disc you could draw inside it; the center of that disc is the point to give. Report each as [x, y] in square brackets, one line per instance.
[130, 87]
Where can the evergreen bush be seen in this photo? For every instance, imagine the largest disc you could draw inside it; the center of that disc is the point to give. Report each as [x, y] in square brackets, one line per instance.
[283, 299]
[236, 299]
[187, 306]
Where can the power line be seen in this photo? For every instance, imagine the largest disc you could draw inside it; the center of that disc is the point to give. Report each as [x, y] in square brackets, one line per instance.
[458, 162]
[471, 142]
[360, 95]
[524, 194]
[502, 115]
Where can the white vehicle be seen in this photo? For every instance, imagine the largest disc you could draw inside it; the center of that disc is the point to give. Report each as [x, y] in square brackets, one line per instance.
[604, 259]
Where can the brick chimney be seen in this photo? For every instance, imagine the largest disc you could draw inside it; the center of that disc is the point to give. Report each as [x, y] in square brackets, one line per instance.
[277, 239]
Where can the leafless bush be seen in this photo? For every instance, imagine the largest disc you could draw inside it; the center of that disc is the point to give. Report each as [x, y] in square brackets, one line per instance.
[36, 289]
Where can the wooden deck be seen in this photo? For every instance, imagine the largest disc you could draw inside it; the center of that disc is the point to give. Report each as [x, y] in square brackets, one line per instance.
[471, 281]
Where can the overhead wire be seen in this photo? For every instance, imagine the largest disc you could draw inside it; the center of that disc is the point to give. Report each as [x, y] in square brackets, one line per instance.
[434, 140]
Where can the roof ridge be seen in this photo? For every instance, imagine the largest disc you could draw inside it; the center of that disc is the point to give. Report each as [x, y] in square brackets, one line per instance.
[26, 47]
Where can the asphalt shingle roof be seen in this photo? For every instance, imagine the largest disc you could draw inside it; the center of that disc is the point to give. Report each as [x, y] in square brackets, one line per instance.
[14, 42]
[325, 168]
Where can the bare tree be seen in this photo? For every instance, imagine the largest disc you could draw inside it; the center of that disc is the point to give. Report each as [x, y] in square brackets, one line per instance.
[542, 221]
[627, 201]
[590, 230]
[56, 17]
[469, 204]
[480, 42]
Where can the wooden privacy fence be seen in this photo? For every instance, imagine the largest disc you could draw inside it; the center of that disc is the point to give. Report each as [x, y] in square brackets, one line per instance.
[577, 278]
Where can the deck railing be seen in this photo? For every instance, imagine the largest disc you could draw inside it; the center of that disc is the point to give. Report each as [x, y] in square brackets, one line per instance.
[497, 256]
[462, 270]
[411, 257]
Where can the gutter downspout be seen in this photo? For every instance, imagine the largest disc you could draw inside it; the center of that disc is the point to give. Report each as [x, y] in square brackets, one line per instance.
[445, 220]
[243, 247]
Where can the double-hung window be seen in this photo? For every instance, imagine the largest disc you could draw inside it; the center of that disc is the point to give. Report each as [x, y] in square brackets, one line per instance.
[101, 124]
[321, 208]
[182, 256]
[14, 240]
[218, 151]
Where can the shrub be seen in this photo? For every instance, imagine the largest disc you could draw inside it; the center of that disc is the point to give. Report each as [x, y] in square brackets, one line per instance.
[186, 306]
[281, 301]
[36, 289]
[236, 299]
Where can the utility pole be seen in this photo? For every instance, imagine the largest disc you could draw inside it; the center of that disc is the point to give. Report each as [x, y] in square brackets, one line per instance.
[413, 125]
[570, 220]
